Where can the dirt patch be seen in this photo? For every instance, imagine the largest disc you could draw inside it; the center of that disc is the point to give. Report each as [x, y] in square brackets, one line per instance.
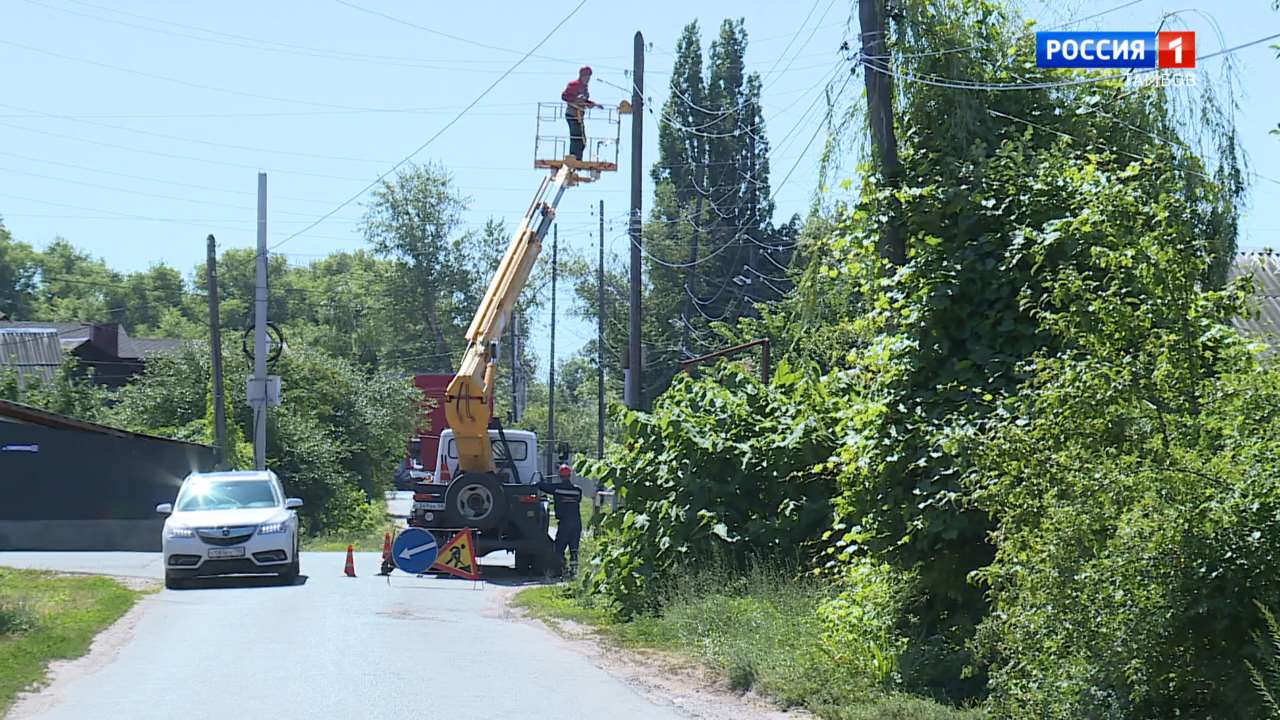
[662, 678]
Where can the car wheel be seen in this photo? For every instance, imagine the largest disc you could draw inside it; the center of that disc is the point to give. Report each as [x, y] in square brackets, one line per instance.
[290, 576]
[173, 582]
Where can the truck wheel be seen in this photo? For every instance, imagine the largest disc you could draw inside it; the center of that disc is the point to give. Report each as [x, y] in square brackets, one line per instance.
[526, 563]
[475, 500]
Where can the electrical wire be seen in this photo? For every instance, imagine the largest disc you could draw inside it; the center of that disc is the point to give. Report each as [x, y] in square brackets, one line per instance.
[439, 132]
[466, 41]
[178, 81]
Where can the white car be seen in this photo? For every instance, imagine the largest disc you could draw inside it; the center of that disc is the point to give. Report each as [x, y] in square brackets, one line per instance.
[226, 523]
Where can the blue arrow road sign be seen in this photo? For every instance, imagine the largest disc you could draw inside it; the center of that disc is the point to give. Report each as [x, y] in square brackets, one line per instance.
[414, 550]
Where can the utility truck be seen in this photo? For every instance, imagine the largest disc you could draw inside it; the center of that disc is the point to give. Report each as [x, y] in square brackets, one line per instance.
[486, 475]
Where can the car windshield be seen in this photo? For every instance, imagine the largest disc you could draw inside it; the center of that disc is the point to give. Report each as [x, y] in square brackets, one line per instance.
[206, 494]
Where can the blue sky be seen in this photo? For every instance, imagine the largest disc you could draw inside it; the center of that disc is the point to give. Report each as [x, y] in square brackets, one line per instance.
[135, 128]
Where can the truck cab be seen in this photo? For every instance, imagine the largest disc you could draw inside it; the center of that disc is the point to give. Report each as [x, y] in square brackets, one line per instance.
[505, 511]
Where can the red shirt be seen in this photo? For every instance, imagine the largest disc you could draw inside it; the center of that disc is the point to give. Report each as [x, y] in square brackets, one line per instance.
[575, 93]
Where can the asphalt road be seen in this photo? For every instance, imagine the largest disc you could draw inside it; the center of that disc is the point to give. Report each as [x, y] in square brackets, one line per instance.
[399, 503]
[327, 647]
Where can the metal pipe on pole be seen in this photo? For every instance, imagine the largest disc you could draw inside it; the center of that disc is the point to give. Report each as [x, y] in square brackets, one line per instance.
[259, 398]
[600, 342]
[215, 351]
[635, 384]
[551, 377]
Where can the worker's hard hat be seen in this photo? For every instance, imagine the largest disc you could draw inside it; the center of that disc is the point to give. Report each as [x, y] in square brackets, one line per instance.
[565, 471]
[585, 69]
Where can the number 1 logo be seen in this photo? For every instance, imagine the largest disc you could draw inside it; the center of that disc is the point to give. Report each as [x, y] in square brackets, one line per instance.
[1176, 49]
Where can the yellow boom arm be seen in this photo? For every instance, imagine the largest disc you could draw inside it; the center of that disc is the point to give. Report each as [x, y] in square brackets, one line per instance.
[468, 398]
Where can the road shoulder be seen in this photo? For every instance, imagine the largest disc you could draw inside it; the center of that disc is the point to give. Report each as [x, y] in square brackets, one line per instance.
[58, 622]
[664, 678]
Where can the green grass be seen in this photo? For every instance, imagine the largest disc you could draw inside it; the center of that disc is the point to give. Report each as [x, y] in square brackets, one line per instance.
[368, 541]
[45, 616]
[759, 631]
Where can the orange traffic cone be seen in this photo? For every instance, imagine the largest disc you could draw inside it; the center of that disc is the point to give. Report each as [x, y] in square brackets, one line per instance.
[351, 562]
[387, 562]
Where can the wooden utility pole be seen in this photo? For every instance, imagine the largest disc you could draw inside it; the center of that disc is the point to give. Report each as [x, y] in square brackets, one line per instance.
[876, 66]
[551, 379]
[636, 364]
[600, 342]
[215, 350]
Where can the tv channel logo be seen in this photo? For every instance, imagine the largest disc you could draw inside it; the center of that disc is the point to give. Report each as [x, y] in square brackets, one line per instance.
[1116, 49]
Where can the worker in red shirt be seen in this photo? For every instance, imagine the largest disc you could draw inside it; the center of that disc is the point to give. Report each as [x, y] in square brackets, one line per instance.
[577, 100]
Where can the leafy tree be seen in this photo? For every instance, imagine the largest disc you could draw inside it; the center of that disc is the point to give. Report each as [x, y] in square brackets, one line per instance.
[18, 267]
[413, 221]
[69, 392]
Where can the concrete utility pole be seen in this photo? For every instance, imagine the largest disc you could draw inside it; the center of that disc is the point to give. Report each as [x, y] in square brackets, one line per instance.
[636, 365]
[600, 342]
[259, 396]
[215, 350]
[875, 63]
[551, 378]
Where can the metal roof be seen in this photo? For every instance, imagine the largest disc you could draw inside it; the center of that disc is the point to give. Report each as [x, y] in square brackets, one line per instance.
[74, 334]
[33, 352]
[1265, 270]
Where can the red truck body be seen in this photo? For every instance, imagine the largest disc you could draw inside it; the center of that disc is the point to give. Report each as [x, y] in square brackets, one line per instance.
[433, 388]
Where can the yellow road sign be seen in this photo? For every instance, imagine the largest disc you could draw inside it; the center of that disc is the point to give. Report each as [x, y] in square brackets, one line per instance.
[458, 557]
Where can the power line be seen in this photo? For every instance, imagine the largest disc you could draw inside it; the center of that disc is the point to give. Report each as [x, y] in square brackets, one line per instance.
[466, 41]
[199, 141]
[252, 43]
[439, 132]
[176, 81]
[174, 156]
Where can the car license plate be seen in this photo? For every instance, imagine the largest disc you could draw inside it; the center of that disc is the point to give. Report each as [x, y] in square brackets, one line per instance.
[432, 506]
[217, 553]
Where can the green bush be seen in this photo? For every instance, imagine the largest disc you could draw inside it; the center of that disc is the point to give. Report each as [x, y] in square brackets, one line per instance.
[1135, 484]
[860, 623]
[725, 467]
[15, 617]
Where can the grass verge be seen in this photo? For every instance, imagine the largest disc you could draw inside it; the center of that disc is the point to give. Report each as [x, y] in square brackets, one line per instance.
[45, 616]
[758, 632]
[368, 541]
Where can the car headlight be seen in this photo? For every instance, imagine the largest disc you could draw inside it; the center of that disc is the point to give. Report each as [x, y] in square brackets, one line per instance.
[180, 531]
[273, 528]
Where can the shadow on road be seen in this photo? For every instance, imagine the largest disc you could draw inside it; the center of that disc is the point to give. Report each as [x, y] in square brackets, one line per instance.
[508, 577]
[227, 582]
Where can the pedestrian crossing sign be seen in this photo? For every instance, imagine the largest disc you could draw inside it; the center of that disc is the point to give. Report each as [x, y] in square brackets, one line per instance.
[458, 557]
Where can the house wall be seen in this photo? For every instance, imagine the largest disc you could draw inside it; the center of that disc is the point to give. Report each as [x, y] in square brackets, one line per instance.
[64, 489]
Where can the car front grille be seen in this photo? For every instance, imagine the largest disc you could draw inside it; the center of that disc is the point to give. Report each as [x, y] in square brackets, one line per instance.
[224, 536]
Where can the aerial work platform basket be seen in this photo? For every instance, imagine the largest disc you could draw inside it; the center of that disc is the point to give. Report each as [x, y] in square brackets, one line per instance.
[603, 135]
